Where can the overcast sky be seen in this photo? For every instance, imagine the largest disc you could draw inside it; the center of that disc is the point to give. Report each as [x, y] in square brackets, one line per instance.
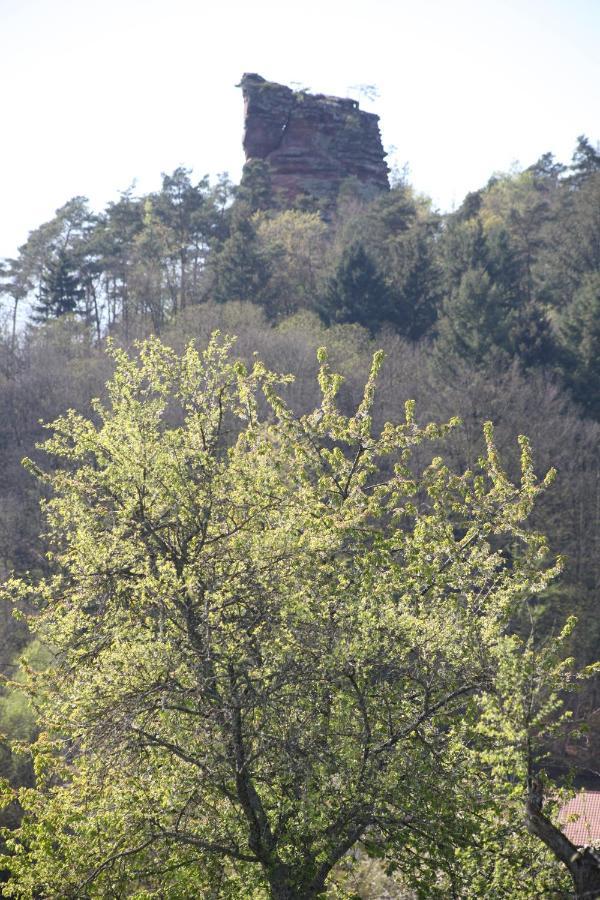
[97, 93]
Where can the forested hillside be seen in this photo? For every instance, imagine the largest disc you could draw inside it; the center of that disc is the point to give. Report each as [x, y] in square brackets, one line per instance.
[488, 312]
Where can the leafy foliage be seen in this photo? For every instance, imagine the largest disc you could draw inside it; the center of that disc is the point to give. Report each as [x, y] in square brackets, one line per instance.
[273, 638]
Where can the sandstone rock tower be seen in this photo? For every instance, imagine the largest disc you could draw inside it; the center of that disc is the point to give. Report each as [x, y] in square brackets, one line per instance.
[311, 142]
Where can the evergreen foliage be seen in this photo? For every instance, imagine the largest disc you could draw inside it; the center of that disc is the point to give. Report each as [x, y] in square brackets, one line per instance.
[60, 291]
[581, 340]
[356, 292]
[255, 192]
[475, 320]
[241, 268]
[586, 159]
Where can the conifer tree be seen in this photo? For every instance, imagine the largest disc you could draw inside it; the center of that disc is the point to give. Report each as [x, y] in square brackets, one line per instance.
[357, 292]
[580, 334]
[60, 291]
[585, 161]
[255, 191]
[473, 324]
[242, 269]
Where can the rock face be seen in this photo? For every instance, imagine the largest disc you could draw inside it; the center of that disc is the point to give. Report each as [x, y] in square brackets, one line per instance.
[311, 142]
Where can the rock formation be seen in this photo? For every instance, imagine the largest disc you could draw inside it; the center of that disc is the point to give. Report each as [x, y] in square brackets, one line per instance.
[311, 142]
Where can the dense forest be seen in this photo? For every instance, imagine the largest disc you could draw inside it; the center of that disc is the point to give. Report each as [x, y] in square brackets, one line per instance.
[490, 312]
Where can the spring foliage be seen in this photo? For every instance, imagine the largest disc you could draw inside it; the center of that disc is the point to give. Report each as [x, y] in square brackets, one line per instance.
[275, 639]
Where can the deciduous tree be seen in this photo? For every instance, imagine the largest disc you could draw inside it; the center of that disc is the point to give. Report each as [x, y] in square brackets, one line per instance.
[275, 638]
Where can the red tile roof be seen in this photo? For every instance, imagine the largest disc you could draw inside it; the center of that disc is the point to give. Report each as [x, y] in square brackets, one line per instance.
[580, 819]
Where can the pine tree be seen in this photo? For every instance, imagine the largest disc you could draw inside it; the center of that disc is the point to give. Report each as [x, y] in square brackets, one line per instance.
[585, 161]
[255, 191]
[474, 321]
[580, 334]
[242, 269]
[489, 312]
[357, 292]
[60, 291]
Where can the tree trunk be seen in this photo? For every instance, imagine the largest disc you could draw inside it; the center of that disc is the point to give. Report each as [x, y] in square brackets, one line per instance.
[587, 877]
[284, 886]
[282, 892]
[583, 863]
[286, 891]
[13, 336]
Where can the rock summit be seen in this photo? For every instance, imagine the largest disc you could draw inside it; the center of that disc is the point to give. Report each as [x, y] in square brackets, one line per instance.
[311, 142]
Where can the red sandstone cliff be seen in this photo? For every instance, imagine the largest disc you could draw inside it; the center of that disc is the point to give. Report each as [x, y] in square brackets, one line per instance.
[311, 142]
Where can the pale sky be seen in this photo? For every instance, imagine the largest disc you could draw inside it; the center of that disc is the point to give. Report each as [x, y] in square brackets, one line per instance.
[97, 93]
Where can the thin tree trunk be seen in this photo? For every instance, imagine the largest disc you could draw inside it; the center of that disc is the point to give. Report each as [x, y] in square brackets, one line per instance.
[13, 337]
